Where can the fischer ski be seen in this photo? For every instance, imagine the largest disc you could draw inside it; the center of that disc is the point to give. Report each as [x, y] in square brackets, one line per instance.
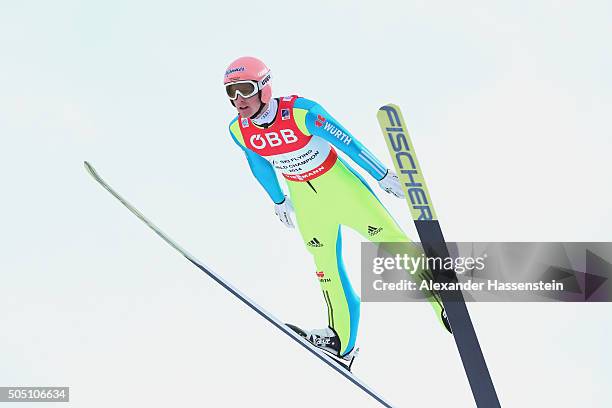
[417, 196]
[339, 367]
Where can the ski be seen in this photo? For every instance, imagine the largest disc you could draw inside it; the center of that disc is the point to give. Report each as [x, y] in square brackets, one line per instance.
[340, 368]
[424, 216]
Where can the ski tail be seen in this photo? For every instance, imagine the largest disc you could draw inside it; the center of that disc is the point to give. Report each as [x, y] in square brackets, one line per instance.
[426, 222]
[238, 294]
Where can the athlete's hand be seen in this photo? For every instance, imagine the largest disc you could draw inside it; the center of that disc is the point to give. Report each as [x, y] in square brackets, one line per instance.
[391, 184]
[283, 212]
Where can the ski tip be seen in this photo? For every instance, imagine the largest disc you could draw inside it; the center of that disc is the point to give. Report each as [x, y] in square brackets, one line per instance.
[387, 106]
[89, 168]
[389, 112]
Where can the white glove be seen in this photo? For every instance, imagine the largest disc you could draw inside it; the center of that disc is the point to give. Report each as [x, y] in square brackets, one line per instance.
[283, 212]
[391, 184]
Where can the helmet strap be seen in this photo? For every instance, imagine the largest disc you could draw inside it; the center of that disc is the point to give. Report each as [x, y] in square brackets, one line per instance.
[261, 107]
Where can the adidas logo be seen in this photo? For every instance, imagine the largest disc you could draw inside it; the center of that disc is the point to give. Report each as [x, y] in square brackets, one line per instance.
[314, 243]
[373, 230]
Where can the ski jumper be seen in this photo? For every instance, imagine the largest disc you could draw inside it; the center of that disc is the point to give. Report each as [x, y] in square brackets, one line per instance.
[326, 192]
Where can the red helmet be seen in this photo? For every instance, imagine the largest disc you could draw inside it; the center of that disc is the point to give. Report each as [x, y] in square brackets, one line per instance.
[247, 76]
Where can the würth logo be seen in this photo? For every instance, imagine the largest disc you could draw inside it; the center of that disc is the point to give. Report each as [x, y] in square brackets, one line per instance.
[320, 120]
[338, 133]
[314, 243]
[322, 278]
[373, 230]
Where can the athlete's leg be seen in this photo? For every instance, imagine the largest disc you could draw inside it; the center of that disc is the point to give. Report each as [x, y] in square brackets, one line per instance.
[370, 218]
[379, 226]
[322, 236]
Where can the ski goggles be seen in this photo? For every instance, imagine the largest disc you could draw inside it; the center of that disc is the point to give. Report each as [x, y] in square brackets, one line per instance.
[246, 88]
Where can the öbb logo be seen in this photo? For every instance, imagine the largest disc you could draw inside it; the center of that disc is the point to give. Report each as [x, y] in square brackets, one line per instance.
[273, 139]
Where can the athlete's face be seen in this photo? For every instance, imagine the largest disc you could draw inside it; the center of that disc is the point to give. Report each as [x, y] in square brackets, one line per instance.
[247, 107]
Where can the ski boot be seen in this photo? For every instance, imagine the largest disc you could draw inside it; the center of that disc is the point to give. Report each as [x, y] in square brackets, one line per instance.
[327, 340]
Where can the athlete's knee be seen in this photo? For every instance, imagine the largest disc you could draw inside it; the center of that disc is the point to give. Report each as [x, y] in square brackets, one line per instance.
[391, 234]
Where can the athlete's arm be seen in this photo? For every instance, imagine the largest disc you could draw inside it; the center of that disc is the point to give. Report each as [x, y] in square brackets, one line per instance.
[263, 172]
[320, 123]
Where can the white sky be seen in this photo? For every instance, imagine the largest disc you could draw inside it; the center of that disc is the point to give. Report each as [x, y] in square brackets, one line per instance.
[509, 107]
